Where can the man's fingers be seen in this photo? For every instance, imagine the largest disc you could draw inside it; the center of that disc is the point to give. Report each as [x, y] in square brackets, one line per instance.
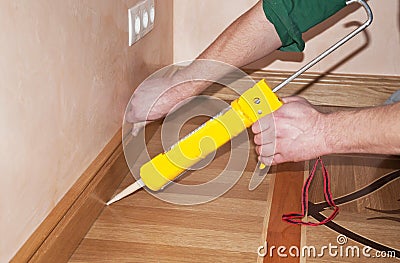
[292, 99]
[264, 137]
[263, 124]
[137, 127]
[129, 117]
[266, 150]
[272, 160]
[266, 160]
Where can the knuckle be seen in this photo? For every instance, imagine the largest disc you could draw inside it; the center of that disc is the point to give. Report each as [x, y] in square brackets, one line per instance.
[282, 158]
[255, 128]
[258, 150]
[278, 159]
[266, 160]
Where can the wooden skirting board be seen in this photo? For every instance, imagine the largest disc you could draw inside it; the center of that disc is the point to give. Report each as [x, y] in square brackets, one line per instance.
[61, 232]
[344, 90]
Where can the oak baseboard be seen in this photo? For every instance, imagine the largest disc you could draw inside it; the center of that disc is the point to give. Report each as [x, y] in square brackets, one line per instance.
[60, 233]
[343, 90]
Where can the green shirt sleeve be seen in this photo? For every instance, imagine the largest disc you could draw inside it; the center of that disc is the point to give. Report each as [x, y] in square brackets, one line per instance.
[293, 17]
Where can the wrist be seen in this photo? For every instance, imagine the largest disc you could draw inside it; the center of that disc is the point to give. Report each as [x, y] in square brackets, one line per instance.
[338, 134]
[328, 141]
[188, 84]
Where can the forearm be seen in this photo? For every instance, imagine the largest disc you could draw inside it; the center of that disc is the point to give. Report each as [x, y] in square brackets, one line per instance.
[246, 40]
[372, 130]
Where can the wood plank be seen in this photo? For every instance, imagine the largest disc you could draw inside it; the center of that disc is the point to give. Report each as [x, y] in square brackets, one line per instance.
[227, 229]
[223, 205]
[383, 231]
[116, 251]
[286, 198]
[224, 230]
[352, 172]
[372, 215]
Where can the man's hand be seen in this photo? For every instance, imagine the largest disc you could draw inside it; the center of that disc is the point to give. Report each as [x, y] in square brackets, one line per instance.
[295, 133]
[154, 98]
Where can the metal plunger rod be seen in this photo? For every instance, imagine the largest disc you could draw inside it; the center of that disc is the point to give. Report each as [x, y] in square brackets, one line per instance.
[332, 48]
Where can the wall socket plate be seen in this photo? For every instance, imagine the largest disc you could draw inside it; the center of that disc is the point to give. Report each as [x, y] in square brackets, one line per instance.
[140, 20]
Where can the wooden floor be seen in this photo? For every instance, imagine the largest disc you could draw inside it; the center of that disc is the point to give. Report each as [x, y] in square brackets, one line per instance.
[142, 228]
[367, 189]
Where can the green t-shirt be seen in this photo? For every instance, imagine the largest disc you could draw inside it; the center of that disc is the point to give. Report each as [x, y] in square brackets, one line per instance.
[293, 17]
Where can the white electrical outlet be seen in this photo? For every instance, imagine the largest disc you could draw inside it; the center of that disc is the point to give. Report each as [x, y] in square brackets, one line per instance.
[141, 20]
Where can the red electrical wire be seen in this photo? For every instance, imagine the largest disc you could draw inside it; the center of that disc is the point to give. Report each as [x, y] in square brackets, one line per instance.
[296, 218]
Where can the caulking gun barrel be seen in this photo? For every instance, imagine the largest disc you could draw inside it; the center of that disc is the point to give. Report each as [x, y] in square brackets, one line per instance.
[252, 105]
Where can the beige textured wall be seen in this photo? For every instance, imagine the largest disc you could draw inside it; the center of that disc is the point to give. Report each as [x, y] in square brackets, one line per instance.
[66, 74]
[198, 22]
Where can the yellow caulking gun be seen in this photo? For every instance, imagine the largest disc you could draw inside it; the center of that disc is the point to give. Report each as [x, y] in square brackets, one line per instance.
[251, 106]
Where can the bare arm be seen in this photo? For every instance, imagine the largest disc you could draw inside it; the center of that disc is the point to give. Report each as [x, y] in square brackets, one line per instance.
[373, 130]
[247, 39]
[299, 132]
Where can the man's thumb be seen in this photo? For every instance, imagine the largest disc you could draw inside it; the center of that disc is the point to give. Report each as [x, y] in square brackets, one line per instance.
[137, 127]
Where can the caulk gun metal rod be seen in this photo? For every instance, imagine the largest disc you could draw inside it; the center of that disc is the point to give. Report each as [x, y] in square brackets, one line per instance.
[332, 48]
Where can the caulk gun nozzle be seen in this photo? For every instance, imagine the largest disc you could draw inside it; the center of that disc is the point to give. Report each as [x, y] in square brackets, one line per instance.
[127, 191]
